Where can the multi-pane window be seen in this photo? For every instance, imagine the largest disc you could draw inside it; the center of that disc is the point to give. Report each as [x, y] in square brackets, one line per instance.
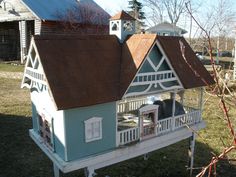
[93, 129]
[45, 130]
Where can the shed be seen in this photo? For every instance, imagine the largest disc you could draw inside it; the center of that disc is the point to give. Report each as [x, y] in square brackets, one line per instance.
[166, 29]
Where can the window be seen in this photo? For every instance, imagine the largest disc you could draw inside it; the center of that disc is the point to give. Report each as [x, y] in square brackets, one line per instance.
[128, 26]
[45, 129]
[93, 129]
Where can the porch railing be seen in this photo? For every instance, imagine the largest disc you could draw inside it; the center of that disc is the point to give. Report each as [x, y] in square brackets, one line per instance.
[130, 105]
[164, 126]
[128, 136]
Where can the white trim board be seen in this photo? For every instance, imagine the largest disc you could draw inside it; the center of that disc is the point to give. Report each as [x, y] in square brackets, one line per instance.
[119, 154]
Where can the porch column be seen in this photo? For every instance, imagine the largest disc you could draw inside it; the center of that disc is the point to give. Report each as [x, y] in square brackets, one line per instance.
[23, 39]
[173, 95]
[89, 172]
[191, 152]
[200, 102]
[56, 170]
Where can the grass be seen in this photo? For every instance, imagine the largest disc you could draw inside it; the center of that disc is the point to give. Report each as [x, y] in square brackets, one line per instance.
[19, 156]
[11, 67]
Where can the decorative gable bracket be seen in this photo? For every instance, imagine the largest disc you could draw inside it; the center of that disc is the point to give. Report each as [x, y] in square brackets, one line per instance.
[34, 76]
[155, 75]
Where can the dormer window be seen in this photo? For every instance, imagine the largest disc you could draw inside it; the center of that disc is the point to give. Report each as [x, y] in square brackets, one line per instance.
[128, 26]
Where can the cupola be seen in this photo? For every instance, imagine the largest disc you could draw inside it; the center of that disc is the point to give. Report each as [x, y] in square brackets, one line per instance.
[122, 25]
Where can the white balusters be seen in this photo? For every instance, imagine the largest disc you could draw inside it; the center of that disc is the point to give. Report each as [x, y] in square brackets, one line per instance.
[164, 126]
[128, 136]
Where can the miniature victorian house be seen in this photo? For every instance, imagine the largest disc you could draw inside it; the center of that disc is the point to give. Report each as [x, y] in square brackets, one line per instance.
[125, 94]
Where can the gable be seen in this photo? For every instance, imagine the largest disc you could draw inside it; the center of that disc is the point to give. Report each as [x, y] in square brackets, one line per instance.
[34, 77]
[154, 75]
[81, 70]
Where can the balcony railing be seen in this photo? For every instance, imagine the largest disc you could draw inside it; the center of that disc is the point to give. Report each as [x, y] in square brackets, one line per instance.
[167, 125]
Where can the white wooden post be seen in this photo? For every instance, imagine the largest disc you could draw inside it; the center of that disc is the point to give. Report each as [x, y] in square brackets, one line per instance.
[173, 95]
[89, 172]
[191, 153]
[56, 170]
[23, 39]
[200, 102]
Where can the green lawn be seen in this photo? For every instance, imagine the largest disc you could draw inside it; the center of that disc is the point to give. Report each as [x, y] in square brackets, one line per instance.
[11, 67]
[20, 157]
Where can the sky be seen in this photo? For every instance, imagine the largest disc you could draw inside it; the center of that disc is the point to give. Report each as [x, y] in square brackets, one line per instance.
[114, 6]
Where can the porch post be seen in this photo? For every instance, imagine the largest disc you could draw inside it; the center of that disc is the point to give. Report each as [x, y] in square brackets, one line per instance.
[89, 172]
[191, 152]
[173, 95]
[56, 170]
[200, 103]
[23, 39]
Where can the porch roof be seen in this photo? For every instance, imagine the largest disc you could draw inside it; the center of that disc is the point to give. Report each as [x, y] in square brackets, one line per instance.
[93, 69]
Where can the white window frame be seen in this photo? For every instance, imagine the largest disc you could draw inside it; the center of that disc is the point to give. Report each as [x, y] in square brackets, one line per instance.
[90, 130]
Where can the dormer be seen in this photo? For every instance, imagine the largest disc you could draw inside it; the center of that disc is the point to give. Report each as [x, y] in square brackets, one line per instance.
[122, 25]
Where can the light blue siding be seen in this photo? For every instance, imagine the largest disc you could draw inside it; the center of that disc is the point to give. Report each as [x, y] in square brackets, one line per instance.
[34, 118]
[58, 145]
[75, 130]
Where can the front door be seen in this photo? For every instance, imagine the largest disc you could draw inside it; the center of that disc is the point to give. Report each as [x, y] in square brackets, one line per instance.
[148, 121]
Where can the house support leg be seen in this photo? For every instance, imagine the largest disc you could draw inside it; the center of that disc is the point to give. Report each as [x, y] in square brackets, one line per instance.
[89, 172]
[191, 153]
[56, 170]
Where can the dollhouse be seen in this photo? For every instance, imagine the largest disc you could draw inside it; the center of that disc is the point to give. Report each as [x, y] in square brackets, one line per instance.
[101, 99]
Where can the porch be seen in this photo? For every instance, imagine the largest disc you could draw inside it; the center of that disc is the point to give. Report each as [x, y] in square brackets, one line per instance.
[134, 126]
[162, 127]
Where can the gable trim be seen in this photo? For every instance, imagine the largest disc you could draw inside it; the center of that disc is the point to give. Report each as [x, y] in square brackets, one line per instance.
[37, 77]
[168, 75]
[159, 64]
[168, 62]
[31, 72]
[124, 95]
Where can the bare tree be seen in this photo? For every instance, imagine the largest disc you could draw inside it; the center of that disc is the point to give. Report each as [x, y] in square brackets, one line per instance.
[219, 91]
[173, 8]
[85, 18]
[218, 20]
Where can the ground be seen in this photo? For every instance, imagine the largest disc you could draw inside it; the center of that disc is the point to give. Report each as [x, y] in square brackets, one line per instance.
[20, 157]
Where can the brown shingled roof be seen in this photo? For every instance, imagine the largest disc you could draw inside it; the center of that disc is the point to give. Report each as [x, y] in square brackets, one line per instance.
[93, 69]
[191, 71]
[81, 70]
[122, 16]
